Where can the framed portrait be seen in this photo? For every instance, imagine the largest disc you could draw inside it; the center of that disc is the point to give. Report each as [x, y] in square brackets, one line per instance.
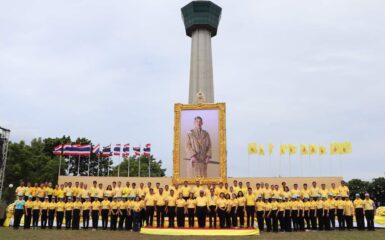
[200, 143]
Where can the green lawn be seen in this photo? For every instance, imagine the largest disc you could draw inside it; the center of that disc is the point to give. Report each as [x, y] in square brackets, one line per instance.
[10, 234]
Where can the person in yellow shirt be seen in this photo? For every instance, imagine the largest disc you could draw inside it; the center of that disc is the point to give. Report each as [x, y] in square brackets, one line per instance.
[141, 190]
[274, 213]
[333, 190]
[95, 213]
[136, 211]
[305, 192]
[340, 205]
[201, 209]
[114, 213]
[77, 206]
[60, 205]
[260, 209]
[241, 209]
[44, 212]
[181, 210]
[20, 190]
[149, 202]
[171, 208]
[28, 212]
[287, 214]
[126, 190]
[280, 214]
[243, 189]
[258, 190]
[344, 189]
[233, 210]
[326, 207]
[323, 191]
[51, 212]
[185, 189]
[85, 212]
[235, 186]
[160, 207]
[60, 192]
[348, 213]
[229, 203]
[105, 211]
[68, 212]
[268, 211]
[197, 188]
[122, 207]
[221, 209]
[211, 208]
[332, 211]
[294, 213]
[250, 208]
[370, 210]
[220, 189]
[314, 190]
[313, 212]
[295, 190]
[94, 191]
[36, 212]
[301, 221]
[359, 212]
[191, 209]
[306, 211]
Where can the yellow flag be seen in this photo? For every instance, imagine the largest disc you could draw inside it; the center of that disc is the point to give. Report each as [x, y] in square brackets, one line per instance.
[312, 149]
[304, 150]
[271, 147]
[261, 150]
[335, 148]
[349, 147]
[346, 147]
[252, 149]
[321, 150]
[282, 149]
[292, 149]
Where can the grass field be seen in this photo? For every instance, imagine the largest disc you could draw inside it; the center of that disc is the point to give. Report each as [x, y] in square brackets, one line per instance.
[10, 234]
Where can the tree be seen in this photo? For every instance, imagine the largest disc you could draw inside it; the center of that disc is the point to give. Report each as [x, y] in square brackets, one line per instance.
[156, 167]
[376, 190]
[357, 186]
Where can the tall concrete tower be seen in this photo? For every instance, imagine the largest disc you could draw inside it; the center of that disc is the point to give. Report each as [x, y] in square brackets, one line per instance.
[201, 19]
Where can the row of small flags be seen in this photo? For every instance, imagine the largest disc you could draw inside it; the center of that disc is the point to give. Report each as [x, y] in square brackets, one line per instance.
[305, 149]
[86, 149]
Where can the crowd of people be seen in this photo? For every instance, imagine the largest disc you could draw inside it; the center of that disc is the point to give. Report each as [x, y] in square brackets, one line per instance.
[276, 208]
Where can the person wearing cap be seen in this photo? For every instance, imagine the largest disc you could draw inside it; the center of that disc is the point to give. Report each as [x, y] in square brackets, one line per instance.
[85, 212]
[201, 209]
[211, 206]
[326, 207]
[122, 206]
[260, 210]
[105, 210]
[59, 212]
[287, 215]
[332, 211]
[95, 212]
[313, 212]
[250, 208]
[51, 212]
[369, 210]
[171, 208]
[136, 209]
[36, 212]
[348, 213]
[18, 210]
[149, 202]
[340, 212]
[320, 213]
[294, 212]
[28, 212]
[306, 211]
[267, 215]
[68, 211]
[301, 209]
[359, 212]
[129, 207]
[160, 206]
[44, 212]
[241, 209]
[77, 205]
[114, 213]
[274, 213]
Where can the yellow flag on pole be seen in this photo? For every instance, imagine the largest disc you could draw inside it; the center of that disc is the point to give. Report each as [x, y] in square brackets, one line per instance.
[252, 149]
[271, 147]
[282, 149]
[346, 147]
[304, 150]
[312, 149]
[321, 150]
[335, 148]
[261, 150]
[349, 147]
[292, 149]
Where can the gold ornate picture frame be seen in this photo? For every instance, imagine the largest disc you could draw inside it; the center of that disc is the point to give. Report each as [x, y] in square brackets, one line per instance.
[178, 108]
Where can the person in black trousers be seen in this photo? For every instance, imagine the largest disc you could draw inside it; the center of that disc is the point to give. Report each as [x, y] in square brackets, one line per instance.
[260, 209]
[129, 215]
[287, 215]
[274, 213]
[250, 208]
[28, 212]
[105, 212]
[320, 213]
[332, 212]
[181, 210]
[160, 208]
[268, 214]
[18, 211]
[44, 212]
[59, 213]
[313, 213]
[76, 214]
[191, 208]
[228, 210]
[68, 210]
[123, 213]
[369, 208]
[359, 212]
[306, 212]
[280, 214]
[221, 209]
[340, 213]
[51, 212]
[211, 209]
[36, 212]
[241, 209]
[85, 212]
[114, 213]
[95, 212]
[233, 211]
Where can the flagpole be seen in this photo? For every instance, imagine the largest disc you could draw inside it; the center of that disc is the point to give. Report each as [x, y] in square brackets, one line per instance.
[119, 166]
[248, 165]
[289, 165]
[78, 164]
[280, 163]
[58, 174]
[149, 165]
[128, 167]
[89, 162]
[69, 161]
[139, 165]
[108, 166]
[98, 164]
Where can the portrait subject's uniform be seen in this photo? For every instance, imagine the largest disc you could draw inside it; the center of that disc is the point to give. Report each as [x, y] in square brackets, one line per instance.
[198, 145]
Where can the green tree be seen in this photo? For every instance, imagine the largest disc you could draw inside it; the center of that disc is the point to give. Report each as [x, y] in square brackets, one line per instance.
[156, 167]
[357, 186]
[376, 190]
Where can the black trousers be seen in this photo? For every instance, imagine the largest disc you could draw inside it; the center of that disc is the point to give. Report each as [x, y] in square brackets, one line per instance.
[294, 217]
[260, 220]
[212, 216]
[150, 215]
[320, 217]
[268, 222]
[180, 217]
[241, 215]
[340, 218]
[301, 220]
[129, 220]
[306, 216]
[76, 219]
[114, 219]
[274, 217]
[349, 222]
[51, 217]
[17, 216]
[190, 215]
[105, 218]
[122, 218]
[201, 216]
[160, 216]
[281, 220]
[250, 216]
[95, 219]
[44, 217]
[360, 218]
[228, 219]
[143, 217]
[86, 219]
[332, 218]
[59, 219]
[137, 221]
[326, 220]
[222, 218]
[369, 215]
[35, 217]
[287, 221]
[68, 216]
[313, 218]
[234, 219]
[171, 216]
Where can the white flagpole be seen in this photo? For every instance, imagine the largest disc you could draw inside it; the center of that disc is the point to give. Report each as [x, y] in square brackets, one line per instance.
[149, 165]
[108, 166]
[248, 165]
[98, 164]
[119, 165]
[78, 164]
[289, 165]
[69, 161]
[58, 174]
[128, 167]
[139, 165]
[89, 162]
[280, 163]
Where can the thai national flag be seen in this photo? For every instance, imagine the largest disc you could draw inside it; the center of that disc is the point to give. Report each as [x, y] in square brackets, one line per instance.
[67, 150]
[126, 150]
[96, 150]
[117, 150]
[136, 151]
[83, 150]
[58, 150]
[147, 150]
[106, 151]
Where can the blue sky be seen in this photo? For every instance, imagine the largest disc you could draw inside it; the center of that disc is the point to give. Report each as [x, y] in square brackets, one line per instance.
[289, 71]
